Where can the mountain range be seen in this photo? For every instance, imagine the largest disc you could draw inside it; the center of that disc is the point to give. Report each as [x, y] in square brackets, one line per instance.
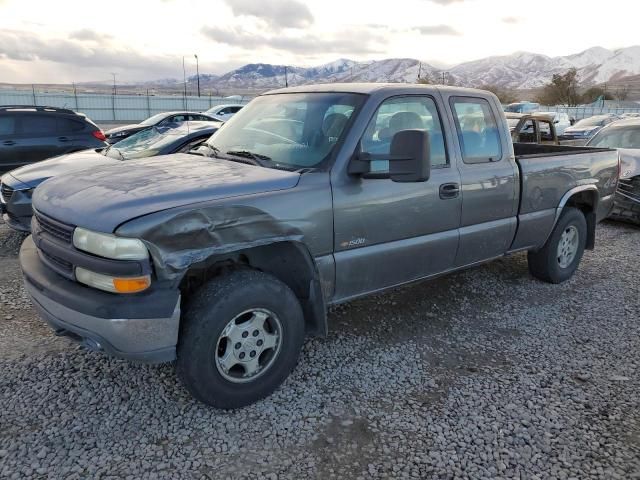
[520, 70]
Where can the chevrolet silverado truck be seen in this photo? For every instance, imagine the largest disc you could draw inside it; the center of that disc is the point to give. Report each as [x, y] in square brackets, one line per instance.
[307, 198]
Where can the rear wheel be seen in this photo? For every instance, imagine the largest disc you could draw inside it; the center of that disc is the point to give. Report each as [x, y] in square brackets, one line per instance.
[241, 337]
[559, 258]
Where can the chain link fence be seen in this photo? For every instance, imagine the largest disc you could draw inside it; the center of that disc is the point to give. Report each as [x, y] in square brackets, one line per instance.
[581, 112]
[116, 108]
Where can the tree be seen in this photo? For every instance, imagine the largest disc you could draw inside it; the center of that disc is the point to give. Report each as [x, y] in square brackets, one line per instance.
[593, 93]
[505, 95]
[622, 93]
[425, 80]
[562, 90]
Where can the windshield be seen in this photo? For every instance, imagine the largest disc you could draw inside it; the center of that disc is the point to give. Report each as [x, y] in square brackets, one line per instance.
[591, 122]
[146, 143]
[292, 131]
[617, 138]
[153, 120]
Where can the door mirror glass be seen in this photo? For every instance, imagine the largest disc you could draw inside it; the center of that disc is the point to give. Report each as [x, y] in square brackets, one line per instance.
[410, 159]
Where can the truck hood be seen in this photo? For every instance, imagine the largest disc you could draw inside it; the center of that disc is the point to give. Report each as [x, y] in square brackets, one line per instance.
[34, 174]
[582, 130]
[630, 162]
[110, 195]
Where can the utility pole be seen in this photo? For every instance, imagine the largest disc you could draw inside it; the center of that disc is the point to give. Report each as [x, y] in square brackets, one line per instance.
[419, 70]
[113, 97]
[443, 81]
[184, 78]
[286, 79]
[75, 94]
[198, 74]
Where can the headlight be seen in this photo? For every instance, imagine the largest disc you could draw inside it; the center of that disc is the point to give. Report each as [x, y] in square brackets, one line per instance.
[109, 246]
[113, 284]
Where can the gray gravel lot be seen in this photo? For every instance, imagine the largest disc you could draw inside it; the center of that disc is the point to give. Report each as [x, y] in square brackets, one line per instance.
[483, 374]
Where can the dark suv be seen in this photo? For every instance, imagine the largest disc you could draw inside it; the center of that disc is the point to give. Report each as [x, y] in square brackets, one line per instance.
[29, 134]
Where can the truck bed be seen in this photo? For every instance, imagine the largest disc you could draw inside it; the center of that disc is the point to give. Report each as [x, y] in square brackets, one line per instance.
[533, 150]
[548, 173]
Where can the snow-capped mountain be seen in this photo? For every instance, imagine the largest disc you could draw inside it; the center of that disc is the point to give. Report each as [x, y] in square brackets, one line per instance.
[521, 70]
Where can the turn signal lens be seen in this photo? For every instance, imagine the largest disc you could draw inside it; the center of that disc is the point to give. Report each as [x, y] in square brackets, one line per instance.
[131, 285]
[113, 284]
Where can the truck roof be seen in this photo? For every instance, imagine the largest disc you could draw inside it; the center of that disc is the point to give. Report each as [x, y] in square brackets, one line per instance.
[369, 88]
[535, 115]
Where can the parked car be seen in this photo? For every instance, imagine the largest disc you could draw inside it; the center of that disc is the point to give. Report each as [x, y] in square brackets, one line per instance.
[30, 134]
[224, 112]
[587, 127]
[625, 136]
[160, 120]
[532, 128]
[522, 107]
[560, 120]
[226, 265]
[16, 187]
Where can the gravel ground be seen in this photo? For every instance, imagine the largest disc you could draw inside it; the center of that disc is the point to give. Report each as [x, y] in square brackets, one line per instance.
[483, 374]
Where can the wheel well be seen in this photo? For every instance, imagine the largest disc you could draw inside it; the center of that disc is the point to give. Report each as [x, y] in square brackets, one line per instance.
[289, 262]
[587, 202]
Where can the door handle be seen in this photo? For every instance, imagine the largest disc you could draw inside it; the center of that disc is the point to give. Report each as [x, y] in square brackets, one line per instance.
[8, 143]
[449, 190]
[63, 139]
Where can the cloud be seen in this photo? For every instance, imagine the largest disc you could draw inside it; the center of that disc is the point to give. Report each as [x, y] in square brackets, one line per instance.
[83, 52]
[437, 30]
[276, 13]
[356, 40]
[447, 2]
[511, 20]
[89, 35]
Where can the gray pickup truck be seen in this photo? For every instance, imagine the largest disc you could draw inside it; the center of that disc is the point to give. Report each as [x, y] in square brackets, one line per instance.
[308, 197]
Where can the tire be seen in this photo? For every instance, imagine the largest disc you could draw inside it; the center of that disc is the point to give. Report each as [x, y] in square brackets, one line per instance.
[203, 346]
[626, 205]
[547, 264]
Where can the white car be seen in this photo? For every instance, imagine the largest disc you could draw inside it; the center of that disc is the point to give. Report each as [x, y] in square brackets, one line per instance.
[561, 121]
[224, 112]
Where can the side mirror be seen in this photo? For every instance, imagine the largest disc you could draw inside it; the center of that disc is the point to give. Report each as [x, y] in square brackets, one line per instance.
[410, 156]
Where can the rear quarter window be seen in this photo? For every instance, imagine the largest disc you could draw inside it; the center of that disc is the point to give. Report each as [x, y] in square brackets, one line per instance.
[7, 125]
[477, 130]
[67, 125]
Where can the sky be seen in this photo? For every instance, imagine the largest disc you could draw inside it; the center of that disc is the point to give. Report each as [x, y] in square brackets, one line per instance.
[62, 41]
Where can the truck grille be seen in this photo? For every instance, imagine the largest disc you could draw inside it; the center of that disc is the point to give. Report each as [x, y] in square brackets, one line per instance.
[55, 229]
[6, 191]
[62, 266]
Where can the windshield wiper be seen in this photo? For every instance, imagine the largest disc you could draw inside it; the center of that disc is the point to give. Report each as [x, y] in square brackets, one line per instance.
[258, 159]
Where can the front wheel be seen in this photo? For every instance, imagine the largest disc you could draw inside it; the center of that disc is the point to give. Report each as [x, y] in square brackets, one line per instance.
[241, 337]
[559, 258]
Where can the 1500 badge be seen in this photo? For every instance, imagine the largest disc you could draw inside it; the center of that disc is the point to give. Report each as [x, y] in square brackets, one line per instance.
[356, 242]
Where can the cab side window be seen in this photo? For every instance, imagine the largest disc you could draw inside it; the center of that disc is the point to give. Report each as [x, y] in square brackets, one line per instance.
[404, 113]
[477, 130]
[545, 131]
[528, 132]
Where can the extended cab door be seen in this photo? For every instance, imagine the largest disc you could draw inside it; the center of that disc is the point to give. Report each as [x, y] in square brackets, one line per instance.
[388, 233]
[490, 180]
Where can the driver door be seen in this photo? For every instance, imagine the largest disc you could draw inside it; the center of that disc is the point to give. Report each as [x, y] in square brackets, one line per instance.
[388, 233]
